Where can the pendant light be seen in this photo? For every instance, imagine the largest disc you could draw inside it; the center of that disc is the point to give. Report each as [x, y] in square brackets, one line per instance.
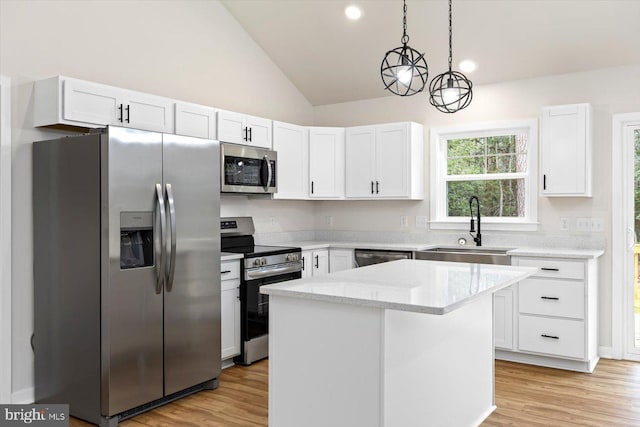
[450, 91]
[404, 70]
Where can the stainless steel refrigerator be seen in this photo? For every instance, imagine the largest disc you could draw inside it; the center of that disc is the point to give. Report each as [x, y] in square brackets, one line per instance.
[126, 271]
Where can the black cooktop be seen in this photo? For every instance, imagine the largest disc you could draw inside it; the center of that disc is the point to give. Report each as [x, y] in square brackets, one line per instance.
[259, 250]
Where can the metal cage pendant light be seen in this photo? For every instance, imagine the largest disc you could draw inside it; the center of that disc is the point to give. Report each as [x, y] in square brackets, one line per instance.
[404, 70]
[450, 91]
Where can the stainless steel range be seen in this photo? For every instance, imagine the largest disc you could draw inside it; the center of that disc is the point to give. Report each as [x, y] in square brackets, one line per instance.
[262, 265]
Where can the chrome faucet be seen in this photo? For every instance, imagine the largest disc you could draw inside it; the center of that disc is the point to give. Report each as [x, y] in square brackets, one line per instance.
[478, 237]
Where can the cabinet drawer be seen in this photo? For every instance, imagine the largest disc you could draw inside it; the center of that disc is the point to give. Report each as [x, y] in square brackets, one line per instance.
[560, 337]
[230, 270]
[227, 285]
[563, 298]
[550, 267]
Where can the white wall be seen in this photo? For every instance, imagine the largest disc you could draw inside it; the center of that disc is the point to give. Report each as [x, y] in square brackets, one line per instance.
[614, 90]
[189, 50]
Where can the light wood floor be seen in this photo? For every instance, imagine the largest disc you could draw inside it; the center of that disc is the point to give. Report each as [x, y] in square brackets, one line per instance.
[525, 395]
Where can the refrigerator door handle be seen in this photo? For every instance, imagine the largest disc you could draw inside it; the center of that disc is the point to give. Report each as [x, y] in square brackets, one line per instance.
[172, 224]
[163, 227]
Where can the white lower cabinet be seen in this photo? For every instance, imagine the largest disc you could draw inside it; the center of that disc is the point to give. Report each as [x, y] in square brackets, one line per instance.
[230, 308]
[554, 318]
[547, 335]
[315, 262]
[340, 259]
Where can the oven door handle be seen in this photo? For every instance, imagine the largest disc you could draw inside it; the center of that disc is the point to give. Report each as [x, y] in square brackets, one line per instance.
[258, 274]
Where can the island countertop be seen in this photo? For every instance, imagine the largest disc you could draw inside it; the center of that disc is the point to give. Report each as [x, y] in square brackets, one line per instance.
[431, 287]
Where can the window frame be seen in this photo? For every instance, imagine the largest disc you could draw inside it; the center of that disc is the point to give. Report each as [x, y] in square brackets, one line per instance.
[438, 203]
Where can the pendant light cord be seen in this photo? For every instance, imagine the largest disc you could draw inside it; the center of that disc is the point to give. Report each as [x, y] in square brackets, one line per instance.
[450, 37]
[405, 37]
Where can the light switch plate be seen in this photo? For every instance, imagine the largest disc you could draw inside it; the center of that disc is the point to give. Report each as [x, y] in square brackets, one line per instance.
[589, 224]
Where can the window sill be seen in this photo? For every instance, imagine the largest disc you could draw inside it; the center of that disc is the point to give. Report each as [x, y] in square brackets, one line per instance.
[486, 225]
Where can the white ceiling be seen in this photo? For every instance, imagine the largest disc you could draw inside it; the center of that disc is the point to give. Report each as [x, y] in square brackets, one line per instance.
[331, 59]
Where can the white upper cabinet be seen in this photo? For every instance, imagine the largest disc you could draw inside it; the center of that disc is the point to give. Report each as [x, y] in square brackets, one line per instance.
[385, 161]
[326, 162]
[243, 129]
[292, 144]
[196, 120]
[565, 151]
[63, 101]
[360, 162]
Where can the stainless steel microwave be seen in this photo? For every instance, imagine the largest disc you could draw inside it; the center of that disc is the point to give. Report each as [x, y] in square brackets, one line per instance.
[246, 169]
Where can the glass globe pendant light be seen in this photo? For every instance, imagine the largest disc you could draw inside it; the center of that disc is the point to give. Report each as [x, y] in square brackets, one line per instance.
[404, 70]
[450, 91]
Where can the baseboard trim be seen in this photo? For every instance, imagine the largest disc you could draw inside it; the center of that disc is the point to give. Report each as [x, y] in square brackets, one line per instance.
[23, 397]
[605, 352]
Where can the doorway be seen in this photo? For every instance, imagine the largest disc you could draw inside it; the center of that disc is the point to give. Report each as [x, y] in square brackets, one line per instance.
[626, 232]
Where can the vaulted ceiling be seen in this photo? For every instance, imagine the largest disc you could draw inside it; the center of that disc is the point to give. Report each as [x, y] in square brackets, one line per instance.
[331, 59]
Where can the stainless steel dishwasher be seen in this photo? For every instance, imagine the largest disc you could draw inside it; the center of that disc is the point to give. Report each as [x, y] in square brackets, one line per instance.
[376, 256]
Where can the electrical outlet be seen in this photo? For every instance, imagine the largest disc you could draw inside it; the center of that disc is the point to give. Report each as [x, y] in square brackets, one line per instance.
[589, 224]
[404, 221]
[564, 224]
[421, 221]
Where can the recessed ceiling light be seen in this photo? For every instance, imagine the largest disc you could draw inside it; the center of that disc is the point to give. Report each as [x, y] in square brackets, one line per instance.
[467, 66]
[353, 12]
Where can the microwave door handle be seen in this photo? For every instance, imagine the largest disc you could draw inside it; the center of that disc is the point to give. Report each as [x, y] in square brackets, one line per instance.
[265, 172]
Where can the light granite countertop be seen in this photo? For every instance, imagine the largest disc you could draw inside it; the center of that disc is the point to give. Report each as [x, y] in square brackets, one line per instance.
[430, 287]
[536, 252]
[229, 256]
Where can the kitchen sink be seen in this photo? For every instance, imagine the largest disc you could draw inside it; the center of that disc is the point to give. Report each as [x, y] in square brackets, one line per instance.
[473, 254]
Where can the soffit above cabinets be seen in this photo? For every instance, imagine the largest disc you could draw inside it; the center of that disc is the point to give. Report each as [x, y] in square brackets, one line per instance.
[331, 59]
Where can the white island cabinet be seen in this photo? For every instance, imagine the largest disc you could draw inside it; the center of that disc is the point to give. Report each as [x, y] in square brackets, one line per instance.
[404, 343]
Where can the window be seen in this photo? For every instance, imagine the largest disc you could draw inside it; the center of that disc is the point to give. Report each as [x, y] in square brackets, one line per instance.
[496, 162]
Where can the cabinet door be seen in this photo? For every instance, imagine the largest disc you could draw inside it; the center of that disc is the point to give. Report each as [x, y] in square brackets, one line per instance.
[326, 162]
[503, 319]
[340, 259]
[320, 262]
[91, 103]
[392, 160]
[231, 127]
[259, 132]
[359, 162]
[566, 145]
[291, 142]
[196, 120]
[148, 112]
[230, 318]
[307, 264]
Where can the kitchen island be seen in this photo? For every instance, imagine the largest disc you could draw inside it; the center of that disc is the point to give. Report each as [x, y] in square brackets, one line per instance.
[405, 343]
